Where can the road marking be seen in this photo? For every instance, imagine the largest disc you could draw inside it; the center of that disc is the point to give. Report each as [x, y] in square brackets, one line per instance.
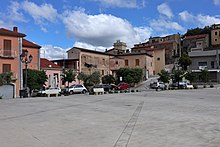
[125, 136]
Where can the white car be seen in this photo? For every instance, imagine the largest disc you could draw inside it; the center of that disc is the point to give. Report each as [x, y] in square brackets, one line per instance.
[53, 90]
[77, 88]
[189, 86]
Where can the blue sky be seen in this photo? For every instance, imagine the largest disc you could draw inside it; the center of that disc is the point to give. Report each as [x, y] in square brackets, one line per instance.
[58, 25]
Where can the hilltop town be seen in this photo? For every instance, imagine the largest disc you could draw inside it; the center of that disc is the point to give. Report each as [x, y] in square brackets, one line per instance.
[152, 56]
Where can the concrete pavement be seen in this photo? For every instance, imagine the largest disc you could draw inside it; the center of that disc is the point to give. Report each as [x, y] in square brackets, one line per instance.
[182, 118]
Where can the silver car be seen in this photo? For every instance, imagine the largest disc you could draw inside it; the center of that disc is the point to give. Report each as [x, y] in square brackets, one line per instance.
[77, 88]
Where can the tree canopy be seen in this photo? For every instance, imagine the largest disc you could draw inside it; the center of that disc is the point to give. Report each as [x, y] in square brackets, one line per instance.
[68, 76]
[185, 61]
[5, 78]
[108, 79]
[164, 76]
[35, 79]
[130, 75]
[198, 31]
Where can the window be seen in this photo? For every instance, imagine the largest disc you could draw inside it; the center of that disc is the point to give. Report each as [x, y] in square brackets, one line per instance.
[126, 62]
[6, 68]
[103, 72]
[216, 40]
[202, 63]
[116, 62]
[212, 64]
[137, 62]
[158, 59]
[103, 61]
[7, 48]
[216, 33]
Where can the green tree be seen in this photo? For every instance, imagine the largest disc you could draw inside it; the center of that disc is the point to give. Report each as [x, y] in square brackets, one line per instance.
[185, 61]
[5, 78]
[89, 80]
[35, 79]
[108, 79]
[204, 75]
[191, 76]
[177, 76]
[198, 31]
[82, 77]
[130, 75]
[68, 76]
[94, 78]
[164, 76]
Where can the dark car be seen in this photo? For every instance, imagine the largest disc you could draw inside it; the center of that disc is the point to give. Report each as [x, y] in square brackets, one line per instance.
[122, 86]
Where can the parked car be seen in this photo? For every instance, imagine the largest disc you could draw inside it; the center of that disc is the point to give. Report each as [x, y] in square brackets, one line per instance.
[122, 86]
[41, 92]
[106, 87]
[161, 85]
[53, 90]
[76, 88]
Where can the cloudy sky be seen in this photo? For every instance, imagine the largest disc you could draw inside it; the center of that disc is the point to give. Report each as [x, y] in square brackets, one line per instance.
[58, 25]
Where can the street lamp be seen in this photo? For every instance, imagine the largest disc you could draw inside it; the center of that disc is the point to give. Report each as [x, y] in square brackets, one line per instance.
[25, 59]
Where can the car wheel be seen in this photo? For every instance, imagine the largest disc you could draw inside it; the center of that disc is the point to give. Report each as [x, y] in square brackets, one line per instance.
[71, 92]
[84, 91]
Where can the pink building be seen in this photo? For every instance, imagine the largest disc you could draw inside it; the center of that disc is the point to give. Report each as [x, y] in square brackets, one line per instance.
[53, 72]
[12, 44]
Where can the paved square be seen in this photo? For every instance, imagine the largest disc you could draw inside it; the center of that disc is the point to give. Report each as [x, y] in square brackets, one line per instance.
[183, 118]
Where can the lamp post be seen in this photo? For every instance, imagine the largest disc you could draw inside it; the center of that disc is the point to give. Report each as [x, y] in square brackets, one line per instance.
[25, 59]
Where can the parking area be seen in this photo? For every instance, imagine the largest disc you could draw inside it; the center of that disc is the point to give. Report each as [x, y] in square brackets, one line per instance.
[174, 118]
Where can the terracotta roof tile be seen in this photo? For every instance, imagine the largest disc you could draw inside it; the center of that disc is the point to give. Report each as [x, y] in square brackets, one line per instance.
[6, 32]
[196, 36]
[26, 43]
[45, 63]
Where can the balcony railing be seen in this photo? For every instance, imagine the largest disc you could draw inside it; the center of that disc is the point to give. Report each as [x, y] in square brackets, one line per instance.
[8, 53]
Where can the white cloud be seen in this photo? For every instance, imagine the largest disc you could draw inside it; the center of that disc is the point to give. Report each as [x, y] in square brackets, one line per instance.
[163, 25]
[200, 20]
[164, 9]
[216, 2]
[122, 3]
[186, 16]
[89, 46]
[207, 20]
[52, 52]
[14, 13]
[101, 30]
[42, 13]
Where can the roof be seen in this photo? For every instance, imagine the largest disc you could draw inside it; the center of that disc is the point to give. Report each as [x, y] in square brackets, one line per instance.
[45, 63]
[133, 54]
[142, 45]
[26, 43]
[89, 50]
[6, 32]
[196, 36]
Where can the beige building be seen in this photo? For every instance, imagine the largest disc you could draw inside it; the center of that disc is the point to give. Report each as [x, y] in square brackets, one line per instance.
[215, 35]
[158, 57]
[111, 60]
[90, 60]
[165, 51]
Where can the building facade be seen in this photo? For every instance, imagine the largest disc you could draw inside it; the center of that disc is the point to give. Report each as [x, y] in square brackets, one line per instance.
[215, 35]
[53, 73]
[11, 47]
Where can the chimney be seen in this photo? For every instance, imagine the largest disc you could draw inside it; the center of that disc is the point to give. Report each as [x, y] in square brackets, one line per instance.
[15, 29]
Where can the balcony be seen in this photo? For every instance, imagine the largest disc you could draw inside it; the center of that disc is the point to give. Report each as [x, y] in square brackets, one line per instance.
[8, 53]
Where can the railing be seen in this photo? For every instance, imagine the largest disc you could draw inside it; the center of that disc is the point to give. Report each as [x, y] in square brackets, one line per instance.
[8, 53]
